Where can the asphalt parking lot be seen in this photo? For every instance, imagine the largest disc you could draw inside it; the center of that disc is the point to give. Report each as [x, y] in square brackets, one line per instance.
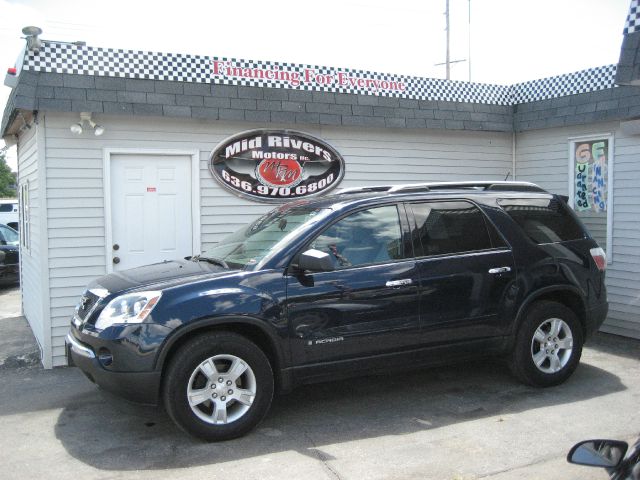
[471, 421]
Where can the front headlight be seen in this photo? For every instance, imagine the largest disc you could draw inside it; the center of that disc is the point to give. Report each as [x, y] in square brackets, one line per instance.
[129, 308]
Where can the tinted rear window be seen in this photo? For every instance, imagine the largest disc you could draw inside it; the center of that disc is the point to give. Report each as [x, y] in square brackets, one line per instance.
[543, 220]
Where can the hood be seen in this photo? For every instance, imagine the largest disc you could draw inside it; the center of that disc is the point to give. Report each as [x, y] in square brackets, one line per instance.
[159, 275]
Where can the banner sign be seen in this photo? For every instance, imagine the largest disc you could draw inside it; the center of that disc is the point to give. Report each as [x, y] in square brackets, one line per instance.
[276, 165]
[308, 76]
[590, 161]
[61, 57]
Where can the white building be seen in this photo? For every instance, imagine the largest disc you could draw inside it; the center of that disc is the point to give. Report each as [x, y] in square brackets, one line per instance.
[145, 185]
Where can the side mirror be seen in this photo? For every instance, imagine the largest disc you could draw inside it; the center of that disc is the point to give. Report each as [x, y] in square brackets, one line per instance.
[315, 261]
[598, 453]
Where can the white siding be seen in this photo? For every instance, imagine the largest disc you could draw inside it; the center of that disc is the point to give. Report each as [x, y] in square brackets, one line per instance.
[623, 277]
[31, 284]
[542, 157]
[75, 192]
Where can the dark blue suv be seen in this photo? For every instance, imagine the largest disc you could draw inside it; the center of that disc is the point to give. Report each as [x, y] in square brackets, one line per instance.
[370, 279]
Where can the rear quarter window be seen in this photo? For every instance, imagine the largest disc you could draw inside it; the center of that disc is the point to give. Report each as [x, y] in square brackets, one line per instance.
[544, 220]
[444, 228]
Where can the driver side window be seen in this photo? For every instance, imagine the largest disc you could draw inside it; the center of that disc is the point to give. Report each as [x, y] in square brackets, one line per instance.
[363, 238]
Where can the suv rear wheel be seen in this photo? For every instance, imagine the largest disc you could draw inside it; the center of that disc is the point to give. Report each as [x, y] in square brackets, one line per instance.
[548, 345]
[218, 386]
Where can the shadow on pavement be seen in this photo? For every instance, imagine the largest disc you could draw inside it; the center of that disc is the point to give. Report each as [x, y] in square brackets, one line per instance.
[615, 345]
[110, 434]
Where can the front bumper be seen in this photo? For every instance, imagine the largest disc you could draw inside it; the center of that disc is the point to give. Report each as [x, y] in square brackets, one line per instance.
[139, 387]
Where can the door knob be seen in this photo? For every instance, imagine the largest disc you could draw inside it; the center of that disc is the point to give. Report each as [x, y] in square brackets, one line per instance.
[116, 246]
[500, 270]
[399, 283]
[116, 260]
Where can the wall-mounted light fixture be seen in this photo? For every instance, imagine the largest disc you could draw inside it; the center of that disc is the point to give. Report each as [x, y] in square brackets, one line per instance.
[33, 42]
[78, 128]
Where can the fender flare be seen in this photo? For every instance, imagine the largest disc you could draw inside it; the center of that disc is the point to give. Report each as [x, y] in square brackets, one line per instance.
[533, 296]
[208, 322]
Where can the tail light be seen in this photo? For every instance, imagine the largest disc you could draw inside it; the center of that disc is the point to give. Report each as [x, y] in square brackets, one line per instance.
[600, 258]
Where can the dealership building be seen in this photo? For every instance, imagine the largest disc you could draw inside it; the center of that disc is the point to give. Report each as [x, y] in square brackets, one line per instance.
[128, 157]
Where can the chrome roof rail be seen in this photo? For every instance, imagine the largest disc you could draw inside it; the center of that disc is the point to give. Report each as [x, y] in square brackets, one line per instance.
[485, 185]
[430, 186]
[369, 188]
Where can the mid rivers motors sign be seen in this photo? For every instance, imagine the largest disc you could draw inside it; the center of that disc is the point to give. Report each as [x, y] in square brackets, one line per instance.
[276, 165]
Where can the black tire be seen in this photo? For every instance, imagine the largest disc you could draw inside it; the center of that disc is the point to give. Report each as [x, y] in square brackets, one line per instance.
[541, 315]
[184, 370]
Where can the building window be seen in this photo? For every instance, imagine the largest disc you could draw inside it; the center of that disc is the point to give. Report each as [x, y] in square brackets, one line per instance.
[591, 174]
[25, 217]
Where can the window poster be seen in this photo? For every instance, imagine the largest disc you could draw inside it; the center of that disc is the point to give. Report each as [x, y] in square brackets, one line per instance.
[590, 179]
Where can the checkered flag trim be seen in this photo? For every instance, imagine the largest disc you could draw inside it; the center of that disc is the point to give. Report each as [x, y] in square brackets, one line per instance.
[584, 81]
[84, 60]
[633, 19]
[60, 57]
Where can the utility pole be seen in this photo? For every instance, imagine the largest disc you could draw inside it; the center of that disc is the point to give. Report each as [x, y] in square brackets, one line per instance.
[448, 60]
[469, 49]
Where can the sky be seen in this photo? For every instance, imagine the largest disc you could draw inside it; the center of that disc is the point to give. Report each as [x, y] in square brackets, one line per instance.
[511, 40]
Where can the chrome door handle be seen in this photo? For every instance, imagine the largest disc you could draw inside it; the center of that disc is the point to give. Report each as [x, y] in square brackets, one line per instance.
[500, 270]
[399, 283]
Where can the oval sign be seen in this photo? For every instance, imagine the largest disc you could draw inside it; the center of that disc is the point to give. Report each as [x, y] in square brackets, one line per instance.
[276, 165]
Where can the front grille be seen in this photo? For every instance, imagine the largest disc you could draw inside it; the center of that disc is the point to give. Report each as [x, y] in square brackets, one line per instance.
[11, 256]
[87, 302]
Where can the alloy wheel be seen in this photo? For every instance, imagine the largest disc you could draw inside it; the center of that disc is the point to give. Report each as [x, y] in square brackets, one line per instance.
[552, 345]
[221, 389]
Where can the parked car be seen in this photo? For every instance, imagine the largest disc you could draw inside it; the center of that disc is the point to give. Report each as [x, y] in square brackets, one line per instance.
[610, 455]
[9, 213]
[9, 256]
[373, 278]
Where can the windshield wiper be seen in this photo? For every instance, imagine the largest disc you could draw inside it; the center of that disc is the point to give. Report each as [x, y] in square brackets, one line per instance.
[214, 261]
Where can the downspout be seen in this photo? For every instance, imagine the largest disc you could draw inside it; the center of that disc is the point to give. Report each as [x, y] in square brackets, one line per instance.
[47, 344]
[513, 155]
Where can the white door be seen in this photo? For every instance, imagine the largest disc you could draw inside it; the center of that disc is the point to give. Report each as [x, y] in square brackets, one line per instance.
[150, 209]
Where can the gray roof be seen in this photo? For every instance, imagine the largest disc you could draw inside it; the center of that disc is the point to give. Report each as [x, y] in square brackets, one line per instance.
[64, 77]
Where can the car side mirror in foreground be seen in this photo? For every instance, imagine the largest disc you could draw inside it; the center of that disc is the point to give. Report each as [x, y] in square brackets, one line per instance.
[315, 261]
[598, 453]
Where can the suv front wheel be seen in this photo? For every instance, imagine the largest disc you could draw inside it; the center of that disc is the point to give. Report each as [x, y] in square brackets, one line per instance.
[548, 345]
[218, 386]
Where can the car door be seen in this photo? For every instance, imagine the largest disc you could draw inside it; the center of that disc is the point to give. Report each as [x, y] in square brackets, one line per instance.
[369, 303]
[465, 270]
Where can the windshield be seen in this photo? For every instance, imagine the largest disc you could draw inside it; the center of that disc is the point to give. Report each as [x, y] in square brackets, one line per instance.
[8, 236]
[254, 242]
